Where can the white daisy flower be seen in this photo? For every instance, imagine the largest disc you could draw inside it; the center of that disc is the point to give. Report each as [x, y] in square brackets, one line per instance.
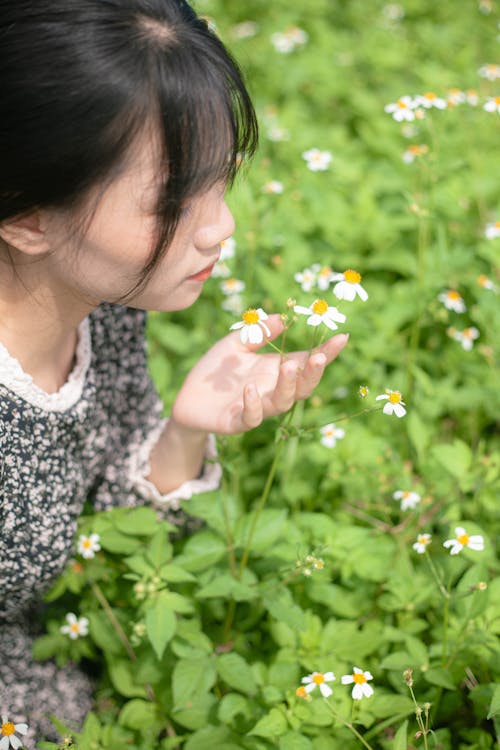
[221, 270]
[87, 546]
[452, 300]
[466, 337]
[413, 152]
[472, 97]
[286, 41]
[320, 312]
[232, 286]
[492, 104]
[330, 434]
[273, 187]
[456, 97]
[8, 734]
[77, 627]
[233, 304]
[409, 500]
[319, 679]
[324, 275]
[245, 30]
[423, 541]
[348, 286]
[430, 99]
[306, 278]
[276, 133]
[394, 403]
[252, 326]
[317, 161]
[403, 109]
[360, 679]
[227, 249]
[492, 231]
[484, 282]
[491, 72]
[463, 539]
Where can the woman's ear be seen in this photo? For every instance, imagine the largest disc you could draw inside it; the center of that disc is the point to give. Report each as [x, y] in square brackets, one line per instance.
[26, 233]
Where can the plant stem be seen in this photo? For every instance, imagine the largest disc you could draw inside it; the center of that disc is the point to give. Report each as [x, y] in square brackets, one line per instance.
[437, 577]
[349, 726]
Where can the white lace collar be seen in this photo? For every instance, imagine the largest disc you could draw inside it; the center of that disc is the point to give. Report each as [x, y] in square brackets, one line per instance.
[13, 376]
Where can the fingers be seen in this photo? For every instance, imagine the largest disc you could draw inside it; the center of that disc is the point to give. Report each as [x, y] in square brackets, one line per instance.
[310, 375]
[253, 410]
[284, 394]
[333, 346]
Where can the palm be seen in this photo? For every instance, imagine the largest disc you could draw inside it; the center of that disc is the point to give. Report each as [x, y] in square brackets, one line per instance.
[216, 395]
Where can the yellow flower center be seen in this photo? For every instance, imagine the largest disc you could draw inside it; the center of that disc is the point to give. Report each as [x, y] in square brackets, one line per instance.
[395, 397]
[430, 95]
[482, 280]
[353, 277]
[86, 543]
[453, 295]
[8, 728]
[467, 333]
[319, 307]
[359, 678]
[250, 317]
[423, 540]
[301, 692]
[402, 104]
[463, 539]
[326, 271]
[497, 223]
[74, 627]
[318, 678]
[406, 494]
[497, 101]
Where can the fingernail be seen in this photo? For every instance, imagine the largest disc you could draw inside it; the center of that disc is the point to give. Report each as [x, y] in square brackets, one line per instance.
[290, 374]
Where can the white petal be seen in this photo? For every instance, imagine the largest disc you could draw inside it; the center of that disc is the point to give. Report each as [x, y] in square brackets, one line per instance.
[255, 335]
[398, 495]
[5, 718]
[4, 742]
[347, 679]
[460, 531]
[325, 690]
[357, 670]
[302, 310]
[361, 292]
[448, 543]
[309, 688]
[399, 410]
[329, 676]
[368, 675]
[266, 329]
[388, 408]
[367, 689]
[357, 692]
[306, 679]
[329, 323]
[314, 320]
[334, 314]
[244, 334]
[15, 742]
[382, 396]
[262, 315]
[328, 441]
[337, 277]
[476, 542]
[21, 728]
[237, 325]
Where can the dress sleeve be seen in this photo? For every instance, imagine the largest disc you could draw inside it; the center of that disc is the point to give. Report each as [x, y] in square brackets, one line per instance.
[136, 422]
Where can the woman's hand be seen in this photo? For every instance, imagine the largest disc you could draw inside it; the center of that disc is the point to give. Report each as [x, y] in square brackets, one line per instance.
[233, 388]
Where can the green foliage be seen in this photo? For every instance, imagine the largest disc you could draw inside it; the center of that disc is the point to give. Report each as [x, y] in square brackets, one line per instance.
[202, 640]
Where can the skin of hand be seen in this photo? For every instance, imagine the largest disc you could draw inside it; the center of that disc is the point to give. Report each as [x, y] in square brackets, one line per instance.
[233, 388]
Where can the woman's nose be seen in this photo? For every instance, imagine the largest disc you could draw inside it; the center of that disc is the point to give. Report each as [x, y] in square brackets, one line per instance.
[212, 233]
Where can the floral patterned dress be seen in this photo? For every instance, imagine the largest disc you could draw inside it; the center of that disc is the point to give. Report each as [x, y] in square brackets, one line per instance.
[92, 439]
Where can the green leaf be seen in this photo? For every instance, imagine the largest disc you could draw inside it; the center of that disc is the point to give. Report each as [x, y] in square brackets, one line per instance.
[139, 565]
[272, 725]
[208, 738]
[441, 677]
[104, 634]
[191, 677]
[114, 541]
[391, 705]
[175, 574]
[495, 704]
[137, 522]
[397, 660]
[268, 529]
[294, 741]
[159, 549]
[160, 623]
[234, 670]
[46, 646]
[456, 457]
[283, 608]
[418, 432]
[137, 714]
[201, 551]
[400, 741]
[232, 705]
[195, 714]
[122, 676]
[226, 586]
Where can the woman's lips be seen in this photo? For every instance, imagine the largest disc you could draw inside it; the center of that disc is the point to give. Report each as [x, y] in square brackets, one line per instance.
[202, 275]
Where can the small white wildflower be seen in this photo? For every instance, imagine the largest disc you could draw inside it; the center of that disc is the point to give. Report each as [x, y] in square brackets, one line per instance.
[273, 187]
[492, 231]
[233, 304]
[484, 282]
[455, 97]
[394, 403]
[245, 30]
[227, 249]
[463, 539]
[319, 679]
[77, 627]
[320, 312]
[330, 434]
[403, 109]
[324, 275]
[430, 99]
[348, 286]
[8, 733]
[466, 337]
[414, 152]
[409, 500]
[360, 679]
[492, 104]
[232, 286]
[277, 133]
[221, 270]
[423, 541]
[87, 546]
[306, 279]
[491, 72]
[252, 327]
[452, 300]
[472, 97]
[317, 161]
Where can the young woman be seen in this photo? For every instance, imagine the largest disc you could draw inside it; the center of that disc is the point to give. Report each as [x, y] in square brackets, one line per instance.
[122, 124]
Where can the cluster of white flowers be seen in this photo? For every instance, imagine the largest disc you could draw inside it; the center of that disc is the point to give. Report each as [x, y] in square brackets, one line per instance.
[460, 541]
[347, 285]
[320, 680]
[288, 40]
[409, 108]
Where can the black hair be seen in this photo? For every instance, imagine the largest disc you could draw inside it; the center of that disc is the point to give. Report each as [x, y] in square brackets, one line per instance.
[80, 80]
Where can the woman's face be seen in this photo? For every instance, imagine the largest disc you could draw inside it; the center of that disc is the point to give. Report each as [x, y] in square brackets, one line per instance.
[120, 238]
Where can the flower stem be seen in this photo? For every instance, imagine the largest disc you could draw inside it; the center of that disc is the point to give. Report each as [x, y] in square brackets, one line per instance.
[348, 725]
[437, 577]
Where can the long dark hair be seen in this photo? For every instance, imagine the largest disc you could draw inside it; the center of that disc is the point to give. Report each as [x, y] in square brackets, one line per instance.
[79, 79]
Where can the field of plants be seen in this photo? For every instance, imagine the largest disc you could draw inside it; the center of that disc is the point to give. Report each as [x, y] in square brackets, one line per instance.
[342, 589]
